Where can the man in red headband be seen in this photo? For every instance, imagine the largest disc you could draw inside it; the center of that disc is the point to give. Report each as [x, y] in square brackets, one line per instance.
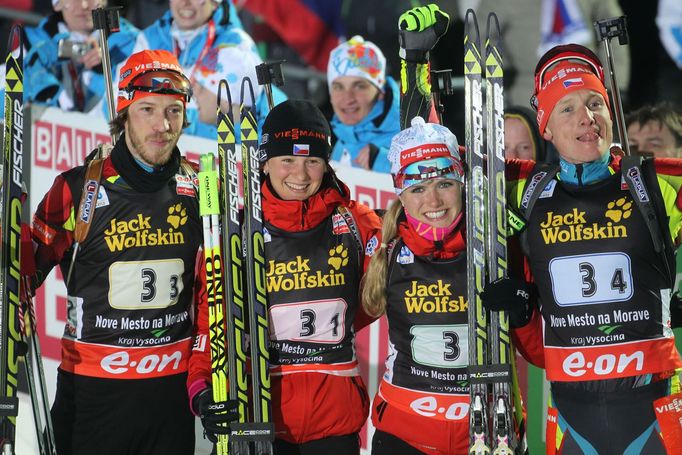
[597, 234]
[121, 382]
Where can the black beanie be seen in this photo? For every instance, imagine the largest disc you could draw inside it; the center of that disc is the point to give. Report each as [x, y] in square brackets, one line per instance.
[298, 128]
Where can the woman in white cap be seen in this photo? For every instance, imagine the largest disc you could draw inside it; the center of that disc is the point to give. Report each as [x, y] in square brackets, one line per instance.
[365, 103]
[417, 277]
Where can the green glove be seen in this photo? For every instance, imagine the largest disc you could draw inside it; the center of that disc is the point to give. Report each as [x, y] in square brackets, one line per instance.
[420, 30]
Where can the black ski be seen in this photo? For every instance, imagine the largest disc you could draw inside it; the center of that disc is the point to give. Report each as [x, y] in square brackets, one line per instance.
[479, 436]
[234, 263]
[11, 163]
[503, 436]
[491, 355]
[262, 429]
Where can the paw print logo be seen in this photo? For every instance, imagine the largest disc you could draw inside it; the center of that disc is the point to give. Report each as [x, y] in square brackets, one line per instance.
[338, 257]
[618, 210]
[177, 215]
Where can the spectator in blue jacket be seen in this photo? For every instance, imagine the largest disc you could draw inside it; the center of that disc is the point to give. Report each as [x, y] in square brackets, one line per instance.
[197, 32]
[231, 63]
[74, 80]
[365, 103]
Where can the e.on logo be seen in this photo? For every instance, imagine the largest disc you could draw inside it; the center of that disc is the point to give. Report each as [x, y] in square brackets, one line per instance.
[576, 365]
[429, 407]
[62, 147]
[119, 363]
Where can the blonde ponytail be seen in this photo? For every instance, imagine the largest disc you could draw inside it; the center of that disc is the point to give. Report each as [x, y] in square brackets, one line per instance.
[374, 281]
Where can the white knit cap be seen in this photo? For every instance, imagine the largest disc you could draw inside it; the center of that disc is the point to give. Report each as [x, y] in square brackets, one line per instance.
[424, 151]
[359, 58]
[232, 63]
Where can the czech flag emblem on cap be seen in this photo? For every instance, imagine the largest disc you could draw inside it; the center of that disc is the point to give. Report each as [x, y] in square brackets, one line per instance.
[302, 149]
[575, 82]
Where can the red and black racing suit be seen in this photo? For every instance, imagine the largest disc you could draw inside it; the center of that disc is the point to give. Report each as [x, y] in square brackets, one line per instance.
[127, 338]
[423, 398]
[313, 268]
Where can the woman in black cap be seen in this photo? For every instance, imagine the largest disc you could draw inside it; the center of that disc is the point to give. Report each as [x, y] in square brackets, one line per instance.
[316, 240]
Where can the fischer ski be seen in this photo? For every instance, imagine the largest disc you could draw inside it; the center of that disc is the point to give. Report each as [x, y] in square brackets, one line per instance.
[235, 279]
[491, 428]
[229, 177]
[503, 436]
[11, 343]
[262, 429]
[18, 311]
[479, 437]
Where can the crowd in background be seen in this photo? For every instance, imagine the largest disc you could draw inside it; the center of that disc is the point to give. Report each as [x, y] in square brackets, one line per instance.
[305, 33]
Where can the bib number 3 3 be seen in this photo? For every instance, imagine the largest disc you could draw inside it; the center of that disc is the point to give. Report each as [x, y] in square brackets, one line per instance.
[145, 284]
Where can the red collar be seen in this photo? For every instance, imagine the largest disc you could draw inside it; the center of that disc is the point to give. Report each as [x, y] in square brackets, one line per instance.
[296, 216]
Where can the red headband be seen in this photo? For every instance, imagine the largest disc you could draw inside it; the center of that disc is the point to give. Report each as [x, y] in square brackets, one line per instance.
[151, 72]
[564, 69]
[564, 78]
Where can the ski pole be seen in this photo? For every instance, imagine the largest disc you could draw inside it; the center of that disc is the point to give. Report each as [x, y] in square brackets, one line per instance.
[106, 21]
[38, 392]
[269, 73]
[606, 30]
[441, 85]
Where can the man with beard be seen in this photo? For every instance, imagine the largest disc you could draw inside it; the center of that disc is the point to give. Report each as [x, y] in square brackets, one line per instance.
[121, 381]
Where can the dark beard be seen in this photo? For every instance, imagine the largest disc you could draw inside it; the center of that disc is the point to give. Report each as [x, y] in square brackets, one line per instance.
[139, 179]
[142, 153]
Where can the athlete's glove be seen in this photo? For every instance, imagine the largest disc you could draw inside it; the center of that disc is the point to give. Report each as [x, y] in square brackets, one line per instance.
[420, 29]
[675, 311]
[512, 296]
[215, 417]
